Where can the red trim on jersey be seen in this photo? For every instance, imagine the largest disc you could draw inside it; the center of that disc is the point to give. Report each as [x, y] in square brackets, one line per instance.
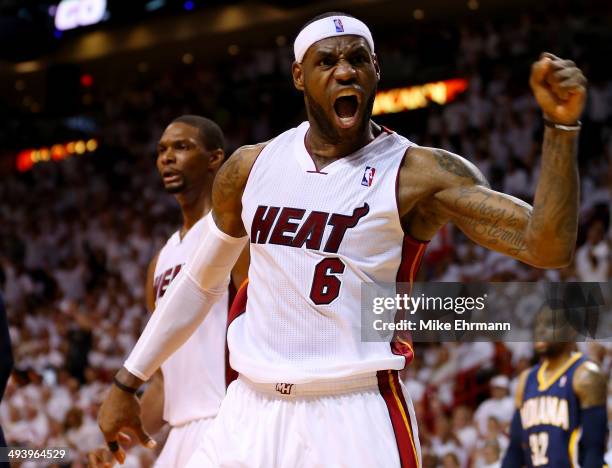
[391, 391]
[236, 306]
[239, 305]
[412, 254]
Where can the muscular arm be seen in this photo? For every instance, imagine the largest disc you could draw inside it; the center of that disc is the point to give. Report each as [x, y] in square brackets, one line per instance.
[590, 386]
[152, 404]
[228, 188]
[543, 235]
[454, 190]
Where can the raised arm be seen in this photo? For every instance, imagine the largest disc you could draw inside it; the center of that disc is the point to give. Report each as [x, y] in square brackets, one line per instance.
[543, 235]
[193, 292]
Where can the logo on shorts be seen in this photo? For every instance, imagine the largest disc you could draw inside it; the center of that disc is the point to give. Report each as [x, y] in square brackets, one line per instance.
[284, 388]
[338, 24]
[368, 176]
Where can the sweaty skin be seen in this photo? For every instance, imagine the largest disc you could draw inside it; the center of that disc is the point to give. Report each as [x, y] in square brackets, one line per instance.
[435, 186]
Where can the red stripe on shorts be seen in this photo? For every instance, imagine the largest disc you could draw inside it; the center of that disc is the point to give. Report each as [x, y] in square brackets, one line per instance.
[391, 391]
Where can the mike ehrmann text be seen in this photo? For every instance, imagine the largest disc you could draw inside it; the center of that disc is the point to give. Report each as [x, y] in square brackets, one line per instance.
[440, 325]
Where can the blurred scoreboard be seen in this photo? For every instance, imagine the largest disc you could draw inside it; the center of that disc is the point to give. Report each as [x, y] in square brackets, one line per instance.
[71, 14]
[396, 100]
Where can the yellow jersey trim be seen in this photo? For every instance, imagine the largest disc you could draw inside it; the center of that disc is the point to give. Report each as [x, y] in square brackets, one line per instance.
[543, 383]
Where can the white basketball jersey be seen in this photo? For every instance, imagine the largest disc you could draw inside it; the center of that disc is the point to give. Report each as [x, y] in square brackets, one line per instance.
[194, 376]
[316, 236]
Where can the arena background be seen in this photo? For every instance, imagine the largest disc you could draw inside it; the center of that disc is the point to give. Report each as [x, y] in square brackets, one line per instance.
[82, 209]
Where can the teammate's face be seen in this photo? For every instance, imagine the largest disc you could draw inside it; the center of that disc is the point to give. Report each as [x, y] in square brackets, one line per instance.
[339, 76]
[182, 160]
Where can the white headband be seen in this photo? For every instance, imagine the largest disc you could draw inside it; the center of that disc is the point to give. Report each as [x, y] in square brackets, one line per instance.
[329, 27]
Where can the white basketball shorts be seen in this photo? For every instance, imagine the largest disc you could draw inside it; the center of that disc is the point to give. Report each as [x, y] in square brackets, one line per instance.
[364, 422]
[182, 442]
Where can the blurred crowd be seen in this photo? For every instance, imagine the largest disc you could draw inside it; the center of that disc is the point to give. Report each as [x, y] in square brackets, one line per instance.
[76, 236]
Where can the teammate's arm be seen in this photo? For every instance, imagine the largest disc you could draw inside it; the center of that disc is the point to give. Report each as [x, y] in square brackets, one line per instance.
[543, 235]
[152, 404]
[590, 386]
[152, 400]
[514, 457]
[193, 292]
[240, 271]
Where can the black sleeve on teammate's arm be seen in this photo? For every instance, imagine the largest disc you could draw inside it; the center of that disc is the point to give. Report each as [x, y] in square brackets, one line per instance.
[594, 423]
[514, 454]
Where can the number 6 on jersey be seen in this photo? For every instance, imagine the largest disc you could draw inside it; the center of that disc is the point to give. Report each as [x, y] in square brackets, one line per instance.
[325, 282]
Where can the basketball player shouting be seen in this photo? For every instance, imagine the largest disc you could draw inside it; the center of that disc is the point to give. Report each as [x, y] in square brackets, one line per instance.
[188, 391]
[326, 206]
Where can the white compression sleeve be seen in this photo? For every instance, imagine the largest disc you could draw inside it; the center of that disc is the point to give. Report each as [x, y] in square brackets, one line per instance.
[187, 301]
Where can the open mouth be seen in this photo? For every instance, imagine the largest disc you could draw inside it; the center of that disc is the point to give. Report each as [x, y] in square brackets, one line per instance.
[346, 108]
[171, 176]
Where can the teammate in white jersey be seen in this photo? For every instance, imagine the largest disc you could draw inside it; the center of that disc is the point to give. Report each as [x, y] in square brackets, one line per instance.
[187, 391]
[328, 206]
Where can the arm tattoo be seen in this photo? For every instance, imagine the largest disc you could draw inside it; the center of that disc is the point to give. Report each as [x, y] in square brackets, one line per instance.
[454, 165]
[233, 174]
[228, 180]
[555, 212]
[488, 218]
[590, 385]
[228, 187]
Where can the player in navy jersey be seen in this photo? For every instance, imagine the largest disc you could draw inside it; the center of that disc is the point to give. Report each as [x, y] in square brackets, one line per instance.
[329, 205]
[561, 418]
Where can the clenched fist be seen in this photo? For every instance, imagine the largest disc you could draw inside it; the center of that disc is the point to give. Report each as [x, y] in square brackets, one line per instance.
[559, 87]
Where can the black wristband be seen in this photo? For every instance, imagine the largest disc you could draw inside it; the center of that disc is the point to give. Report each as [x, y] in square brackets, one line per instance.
[566, 128]
[124, 387]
